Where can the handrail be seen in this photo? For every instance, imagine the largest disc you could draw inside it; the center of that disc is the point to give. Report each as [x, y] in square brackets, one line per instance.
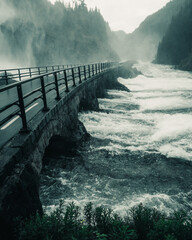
[36, 90]
[19, 74]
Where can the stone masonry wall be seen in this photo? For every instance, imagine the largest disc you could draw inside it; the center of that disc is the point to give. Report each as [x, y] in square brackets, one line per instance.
[22, 158]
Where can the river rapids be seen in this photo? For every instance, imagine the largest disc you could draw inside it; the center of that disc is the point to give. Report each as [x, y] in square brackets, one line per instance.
[140, 149]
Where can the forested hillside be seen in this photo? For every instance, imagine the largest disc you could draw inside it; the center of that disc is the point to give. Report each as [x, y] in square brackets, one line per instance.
[143, 42]
[176, 46]
[35, 32]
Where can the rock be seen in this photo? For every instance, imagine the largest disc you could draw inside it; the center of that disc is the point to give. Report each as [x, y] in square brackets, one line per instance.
[19, 198]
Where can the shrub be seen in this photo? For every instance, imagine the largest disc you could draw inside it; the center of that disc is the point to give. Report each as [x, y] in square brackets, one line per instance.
[143, 220]
[141, 223]
[178, 226]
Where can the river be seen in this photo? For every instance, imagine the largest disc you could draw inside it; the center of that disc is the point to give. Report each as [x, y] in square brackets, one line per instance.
[140, 149]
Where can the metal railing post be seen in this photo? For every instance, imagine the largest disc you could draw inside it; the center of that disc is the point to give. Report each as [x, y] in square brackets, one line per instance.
[73, 77]
[30, 74]
[85, 76]
[39, 71]
[79, 72]
[45, 108]
[66, 82]
[96, 68]
[6, 78]
[89, 71]
[59, 71]
[93, 70]
[57, 87]
[19, 74]
[22, 109]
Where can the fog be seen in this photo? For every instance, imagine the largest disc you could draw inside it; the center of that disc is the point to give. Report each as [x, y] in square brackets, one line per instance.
[143, 43]
[35, 32]
[6, 13]
[18, 30]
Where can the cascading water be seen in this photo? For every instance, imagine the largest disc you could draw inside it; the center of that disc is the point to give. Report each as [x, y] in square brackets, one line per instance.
[139, 151]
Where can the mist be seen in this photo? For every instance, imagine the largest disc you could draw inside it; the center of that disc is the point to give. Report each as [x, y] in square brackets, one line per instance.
[35, 32]
[143, 43]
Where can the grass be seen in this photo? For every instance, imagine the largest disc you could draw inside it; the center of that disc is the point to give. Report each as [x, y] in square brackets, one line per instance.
[71, 223]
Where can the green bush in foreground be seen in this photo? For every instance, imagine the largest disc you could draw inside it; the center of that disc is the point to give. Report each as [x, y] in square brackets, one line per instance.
[141, 223]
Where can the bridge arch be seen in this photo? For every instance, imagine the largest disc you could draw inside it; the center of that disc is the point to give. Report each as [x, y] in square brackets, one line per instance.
[21, 158]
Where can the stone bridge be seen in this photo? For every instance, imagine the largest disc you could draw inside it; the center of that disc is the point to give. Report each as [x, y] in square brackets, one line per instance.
[34, 110]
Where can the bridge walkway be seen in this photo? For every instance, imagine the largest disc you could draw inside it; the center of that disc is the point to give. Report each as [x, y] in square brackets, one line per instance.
[21, 101]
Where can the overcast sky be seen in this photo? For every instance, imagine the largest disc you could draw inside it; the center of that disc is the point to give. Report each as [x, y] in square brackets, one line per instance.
[125, 14]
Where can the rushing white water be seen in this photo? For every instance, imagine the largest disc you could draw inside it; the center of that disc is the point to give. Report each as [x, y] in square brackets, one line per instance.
[141, 148]
[156, 115]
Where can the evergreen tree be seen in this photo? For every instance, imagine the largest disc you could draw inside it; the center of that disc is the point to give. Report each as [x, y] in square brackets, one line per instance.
[55, 34]
[176, 46]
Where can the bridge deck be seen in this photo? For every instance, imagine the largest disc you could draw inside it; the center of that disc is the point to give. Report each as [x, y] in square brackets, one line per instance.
[20, 102]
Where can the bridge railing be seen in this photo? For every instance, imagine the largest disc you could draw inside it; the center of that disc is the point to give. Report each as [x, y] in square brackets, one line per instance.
[8, 76]
[18, 99]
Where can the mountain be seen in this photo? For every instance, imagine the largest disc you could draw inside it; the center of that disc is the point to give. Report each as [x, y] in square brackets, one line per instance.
[118, 41]
[176, 46]
[143, 42]
[35, 32]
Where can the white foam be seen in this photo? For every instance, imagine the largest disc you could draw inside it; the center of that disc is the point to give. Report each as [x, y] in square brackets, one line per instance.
[155, 115]
[161, 202]
[173, 126]
[64, 181]
[175, 152]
